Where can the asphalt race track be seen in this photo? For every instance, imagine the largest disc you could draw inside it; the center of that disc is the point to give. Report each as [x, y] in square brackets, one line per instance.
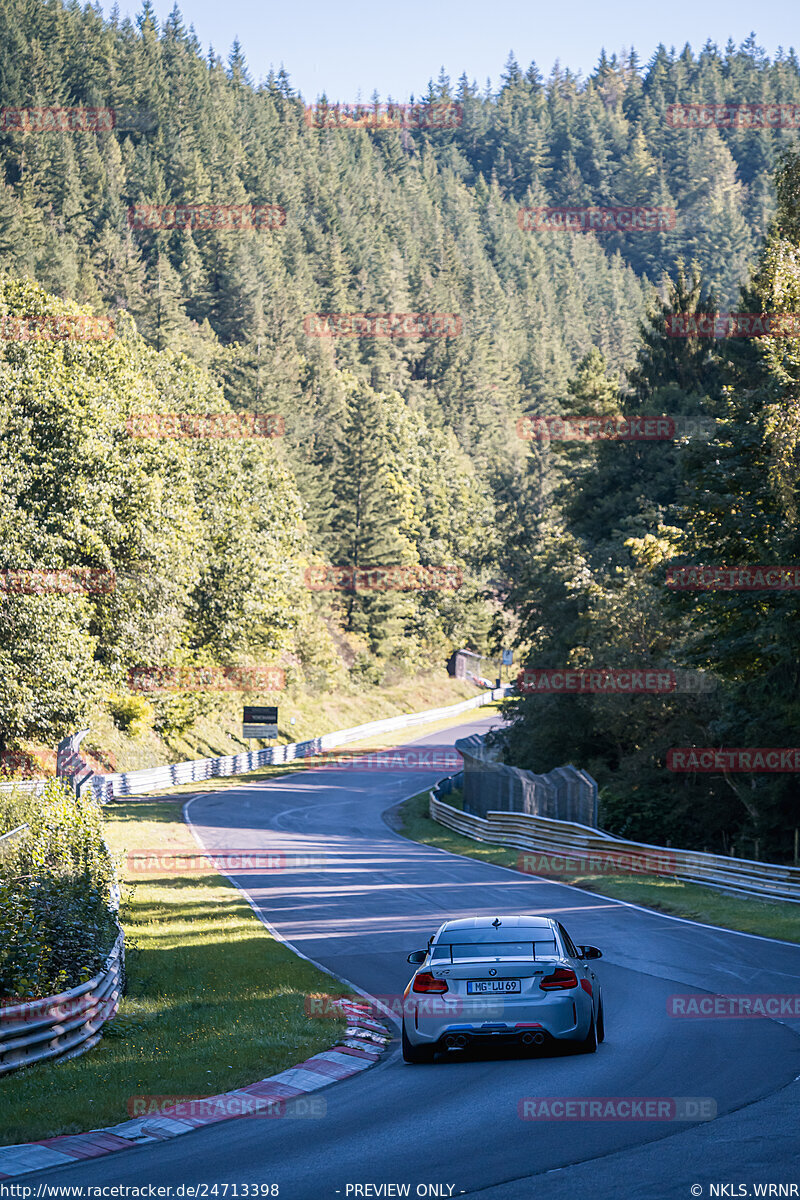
[367, 898]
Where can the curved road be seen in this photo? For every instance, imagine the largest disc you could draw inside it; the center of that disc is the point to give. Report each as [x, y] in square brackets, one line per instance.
[366, 897]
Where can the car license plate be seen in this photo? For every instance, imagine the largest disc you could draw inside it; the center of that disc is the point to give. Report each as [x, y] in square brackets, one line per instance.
[482, 986]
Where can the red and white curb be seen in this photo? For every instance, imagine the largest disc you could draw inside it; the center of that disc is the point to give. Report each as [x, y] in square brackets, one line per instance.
[364, 1042]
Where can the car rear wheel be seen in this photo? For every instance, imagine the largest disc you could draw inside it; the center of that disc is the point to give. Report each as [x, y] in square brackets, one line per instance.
[601, 1026]
[416, 1054]
[589, 1043]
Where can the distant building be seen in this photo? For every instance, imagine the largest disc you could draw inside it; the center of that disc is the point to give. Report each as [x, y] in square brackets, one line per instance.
[475, 668]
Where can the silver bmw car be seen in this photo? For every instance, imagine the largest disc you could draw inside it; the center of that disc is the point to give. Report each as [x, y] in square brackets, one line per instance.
[512, 978]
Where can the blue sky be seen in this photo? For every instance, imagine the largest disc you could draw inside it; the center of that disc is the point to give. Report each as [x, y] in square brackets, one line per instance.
[351, 49]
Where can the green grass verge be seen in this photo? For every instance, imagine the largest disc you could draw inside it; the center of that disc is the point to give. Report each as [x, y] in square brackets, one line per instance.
[217, 730]
[213, 1003]
[769, 919]
[383, 741]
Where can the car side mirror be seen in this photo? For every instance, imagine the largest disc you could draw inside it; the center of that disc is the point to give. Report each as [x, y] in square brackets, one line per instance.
[417, 956]
[590, 952]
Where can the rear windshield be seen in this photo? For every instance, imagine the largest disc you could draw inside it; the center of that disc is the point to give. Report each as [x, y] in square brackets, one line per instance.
[460, 951]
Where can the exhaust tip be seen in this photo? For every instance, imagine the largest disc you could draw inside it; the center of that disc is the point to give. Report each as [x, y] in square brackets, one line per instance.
[455, 1041]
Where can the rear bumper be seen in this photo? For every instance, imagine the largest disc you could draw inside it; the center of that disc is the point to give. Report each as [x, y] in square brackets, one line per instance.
[562, 1016]
[459, 1039]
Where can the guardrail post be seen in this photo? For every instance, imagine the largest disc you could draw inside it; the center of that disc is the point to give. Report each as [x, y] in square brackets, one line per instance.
[546, 835]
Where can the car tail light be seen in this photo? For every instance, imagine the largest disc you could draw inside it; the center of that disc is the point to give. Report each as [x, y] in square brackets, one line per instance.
[426, 982]
[561, 979]
[587, 987]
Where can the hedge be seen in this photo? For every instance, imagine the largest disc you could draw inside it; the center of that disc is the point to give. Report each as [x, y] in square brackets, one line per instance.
[56, 928]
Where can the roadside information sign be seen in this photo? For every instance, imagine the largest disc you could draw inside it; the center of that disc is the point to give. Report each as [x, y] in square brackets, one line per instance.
[260, 722]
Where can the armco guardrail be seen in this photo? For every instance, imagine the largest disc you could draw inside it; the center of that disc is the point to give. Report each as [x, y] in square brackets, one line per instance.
[69, 764]
[107, 787]
[568, 839]
[61, 1026]
[7, 838]
[32, 786]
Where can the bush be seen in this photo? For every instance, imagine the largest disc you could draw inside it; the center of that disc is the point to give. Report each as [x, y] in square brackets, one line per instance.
[64, 836]
[132, 714]
[55, 932]
[16, 764]
[322, 665]
[55, 925]
[367, 671]
[14, 811]
[176, 715]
